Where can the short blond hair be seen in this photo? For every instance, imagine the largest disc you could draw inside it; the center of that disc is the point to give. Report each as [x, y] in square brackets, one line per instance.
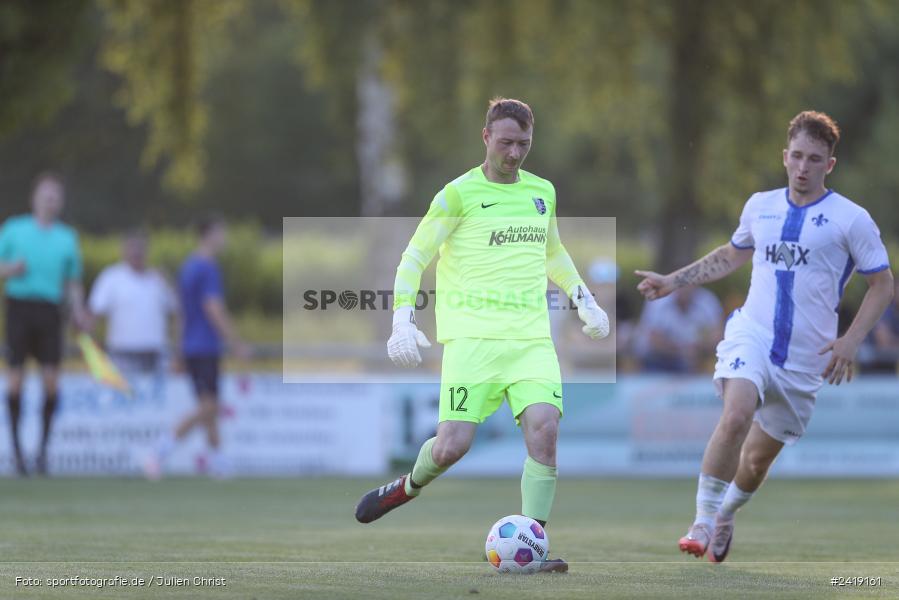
[510, 108]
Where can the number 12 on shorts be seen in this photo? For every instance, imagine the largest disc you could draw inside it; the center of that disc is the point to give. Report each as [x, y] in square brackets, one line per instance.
[459, 394]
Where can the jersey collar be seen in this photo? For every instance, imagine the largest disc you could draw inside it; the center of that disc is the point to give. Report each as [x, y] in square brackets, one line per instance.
[483, 178]
[794, 205]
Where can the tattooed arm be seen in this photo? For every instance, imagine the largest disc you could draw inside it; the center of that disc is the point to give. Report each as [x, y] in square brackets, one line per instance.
[718, 263]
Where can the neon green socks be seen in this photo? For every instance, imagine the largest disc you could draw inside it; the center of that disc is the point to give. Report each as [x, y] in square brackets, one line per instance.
[425, 470]
[538, 489]
[538, 482]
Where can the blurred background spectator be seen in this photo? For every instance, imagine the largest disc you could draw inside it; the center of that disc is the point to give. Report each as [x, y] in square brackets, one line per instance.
[137, 303]
[880, 351]
[208, 333]
[678, 333]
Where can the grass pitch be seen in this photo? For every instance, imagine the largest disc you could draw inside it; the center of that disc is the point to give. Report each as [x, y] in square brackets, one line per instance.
[271, 539]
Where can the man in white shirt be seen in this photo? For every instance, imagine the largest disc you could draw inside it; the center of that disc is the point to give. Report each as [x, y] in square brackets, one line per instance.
[137, 303]
[805, 241]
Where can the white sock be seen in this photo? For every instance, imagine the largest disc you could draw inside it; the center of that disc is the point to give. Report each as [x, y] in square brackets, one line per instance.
[733, 500]
[708, 499]
[165, 444]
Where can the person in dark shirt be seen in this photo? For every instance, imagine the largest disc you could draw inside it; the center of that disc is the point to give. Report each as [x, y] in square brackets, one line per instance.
[207, 332]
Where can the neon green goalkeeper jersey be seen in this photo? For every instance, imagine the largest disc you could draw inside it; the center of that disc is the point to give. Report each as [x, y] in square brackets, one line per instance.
[498, 243]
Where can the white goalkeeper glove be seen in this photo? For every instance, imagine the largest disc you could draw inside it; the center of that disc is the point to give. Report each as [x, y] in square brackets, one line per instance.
[596, 321]
[402, 347]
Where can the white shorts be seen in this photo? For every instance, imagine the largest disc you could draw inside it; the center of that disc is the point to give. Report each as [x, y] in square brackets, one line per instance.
[787, 397]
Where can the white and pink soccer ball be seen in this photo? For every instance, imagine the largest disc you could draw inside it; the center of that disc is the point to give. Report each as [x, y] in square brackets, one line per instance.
[516, 544]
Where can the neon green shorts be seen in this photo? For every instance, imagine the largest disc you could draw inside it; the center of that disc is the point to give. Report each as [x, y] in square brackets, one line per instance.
[479, 373]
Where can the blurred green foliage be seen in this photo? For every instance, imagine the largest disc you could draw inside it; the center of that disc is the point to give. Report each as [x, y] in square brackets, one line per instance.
[666, 114]
[39, 45]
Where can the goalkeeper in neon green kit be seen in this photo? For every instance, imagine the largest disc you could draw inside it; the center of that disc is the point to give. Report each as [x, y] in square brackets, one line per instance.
[495, 228]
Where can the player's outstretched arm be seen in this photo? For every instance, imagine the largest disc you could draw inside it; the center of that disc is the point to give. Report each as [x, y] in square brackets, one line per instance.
[875, 302]
[561, 271]
[717, 264]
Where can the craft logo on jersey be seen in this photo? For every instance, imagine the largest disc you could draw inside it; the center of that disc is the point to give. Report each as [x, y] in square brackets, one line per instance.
[513, 235]
[541, 206]
[788, 254]
[819, 220]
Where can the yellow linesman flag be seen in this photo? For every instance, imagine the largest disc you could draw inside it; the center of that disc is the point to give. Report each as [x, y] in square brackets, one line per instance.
[100, 366]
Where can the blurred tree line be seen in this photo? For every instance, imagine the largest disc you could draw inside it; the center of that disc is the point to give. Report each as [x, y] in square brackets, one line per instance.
[666, 114]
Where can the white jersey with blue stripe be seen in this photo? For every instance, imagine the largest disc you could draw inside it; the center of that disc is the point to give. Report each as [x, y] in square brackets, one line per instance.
[803, 259]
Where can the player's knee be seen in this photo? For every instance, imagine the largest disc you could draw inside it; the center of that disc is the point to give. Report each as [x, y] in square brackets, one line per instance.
[544, 456]
[50, 380]
[757, 464]
[541, 441]
[548, 431]
[208, 409]
[545, 436]
[735, 424]
[50, 404]
[14, 384]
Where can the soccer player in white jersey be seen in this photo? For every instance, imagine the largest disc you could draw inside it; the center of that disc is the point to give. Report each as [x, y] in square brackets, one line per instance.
[805, 241]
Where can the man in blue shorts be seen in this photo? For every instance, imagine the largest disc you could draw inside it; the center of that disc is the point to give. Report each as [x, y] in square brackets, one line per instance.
[207, 332]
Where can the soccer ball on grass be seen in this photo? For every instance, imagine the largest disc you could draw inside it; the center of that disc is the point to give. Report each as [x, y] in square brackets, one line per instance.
[516, 544]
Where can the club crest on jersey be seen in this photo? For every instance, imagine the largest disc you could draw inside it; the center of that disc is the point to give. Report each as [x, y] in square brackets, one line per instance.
[790, 255]
[540, 205]
[820, 220]
[737, 363]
